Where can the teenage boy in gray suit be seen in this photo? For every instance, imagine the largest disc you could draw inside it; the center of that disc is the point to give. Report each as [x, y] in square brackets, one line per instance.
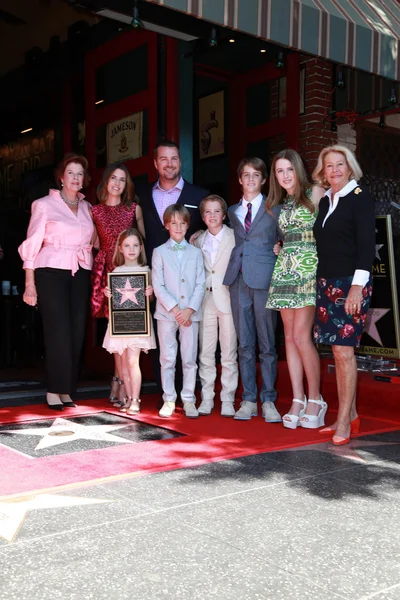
[178, 282]
[249, 275]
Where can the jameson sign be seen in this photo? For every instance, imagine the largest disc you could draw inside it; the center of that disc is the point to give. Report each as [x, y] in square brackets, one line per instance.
[124, 138]
[25, 154]
[381, 333]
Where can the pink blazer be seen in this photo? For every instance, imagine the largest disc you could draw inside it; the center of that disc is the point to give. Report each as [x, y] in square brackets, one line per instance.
[56, 237]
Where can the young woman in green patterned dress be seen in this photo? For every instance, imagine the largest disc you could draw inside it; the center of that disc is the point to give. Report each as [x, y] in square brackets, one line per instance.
[293, 284]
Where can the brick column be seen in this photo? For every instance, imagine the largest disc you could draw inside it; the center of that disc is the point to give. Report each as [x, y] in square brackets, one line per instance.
[314, 133]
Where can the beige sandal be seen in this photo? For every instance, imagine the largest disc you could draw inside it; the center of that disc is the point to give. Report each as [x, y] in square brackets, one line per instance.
[134, 407]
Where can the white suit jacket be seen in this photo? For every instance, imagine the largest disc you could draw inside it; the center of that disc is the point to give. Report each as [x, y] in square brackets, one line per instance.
[178, 282]
[215, 274]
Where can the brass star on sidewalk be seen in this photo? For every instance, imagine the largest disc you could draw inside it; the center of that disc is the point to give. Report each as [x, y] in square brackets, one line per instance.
[348, 451]
[63, 431]
[13, 512]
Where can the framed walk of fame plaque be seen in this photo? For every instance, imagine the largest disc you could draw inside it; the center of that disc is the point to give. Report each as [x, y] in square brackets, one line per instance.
[129, 307]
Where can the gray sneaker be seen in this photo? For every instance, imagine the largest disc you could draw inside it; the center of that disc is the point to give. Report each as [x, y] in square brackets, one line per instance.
[246, 411]
[227, 409]
[270, 413]
[190, 410]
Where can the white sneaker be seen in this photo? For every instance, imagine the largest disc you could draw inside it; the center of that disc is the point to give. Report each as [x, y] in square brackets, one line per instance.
[227, 409]
[167, 409]
[206, 407]
[190, 410]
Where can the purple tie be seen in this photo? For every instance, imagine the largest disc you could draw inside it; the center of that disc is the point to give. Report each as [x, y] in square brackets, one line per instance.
[247, 221]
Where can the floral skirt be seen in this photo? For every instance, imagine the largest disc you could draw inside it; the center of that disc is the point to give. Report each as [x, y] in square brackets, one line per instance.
[332, 325]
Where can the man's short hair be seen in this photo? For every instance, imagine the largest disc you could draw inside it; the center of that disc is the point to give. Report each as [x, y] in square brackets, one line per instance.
[213, 198]
[166, 144]
[173, 209]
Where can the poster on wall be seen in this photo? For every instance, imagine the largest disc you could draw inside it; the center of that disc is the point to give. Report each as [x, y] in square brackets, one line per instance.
[381, 335]
[18, 158]
[124, 138]
[211, 125]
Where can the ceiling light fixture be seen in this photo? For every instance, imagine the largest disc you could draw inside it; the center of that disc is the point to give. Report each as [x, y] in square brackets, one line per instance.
[26, 130]
[136, 23]
[393, 97]
[340, 82]
[213, 41]
[263, 50]
[99, 102]
[232, 41]
[280, 63]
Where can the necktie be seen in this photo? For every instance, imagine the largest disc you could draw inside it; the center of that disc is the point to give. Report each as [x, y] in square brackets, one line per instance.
[179, 247]
[247, 220]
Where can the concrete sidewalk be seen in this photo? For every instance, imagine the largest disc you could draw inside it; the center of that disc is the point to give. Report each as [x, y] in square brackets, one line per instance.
[316, 522]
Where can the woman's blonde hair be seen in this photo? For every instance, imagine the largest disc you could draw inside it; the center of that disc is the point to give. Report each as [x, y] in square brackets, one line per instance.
[118, 257]
[277, 193]
[318, 173]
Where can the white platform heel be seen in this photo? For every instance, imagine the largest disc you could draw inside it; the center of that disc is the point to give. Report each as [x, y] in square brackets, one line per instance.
[315, 421]
[291, 421]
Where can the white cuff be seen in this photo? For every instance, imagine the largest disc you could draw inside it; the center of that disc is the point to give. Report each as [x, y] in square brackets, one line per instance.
[360, 277]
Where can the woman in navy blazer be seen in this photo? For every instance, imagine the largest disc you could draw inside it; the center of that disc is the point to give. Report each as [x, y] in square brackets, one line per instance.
[345, 234]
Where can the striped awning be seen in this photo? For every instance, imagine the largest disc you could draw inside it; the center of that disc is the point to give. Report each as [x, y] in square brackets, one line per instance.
[363, 34]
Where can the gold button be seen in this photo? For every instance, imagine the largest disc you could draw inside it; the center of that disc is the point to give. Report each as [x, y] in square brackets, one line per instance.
[213, 272]
[207, 289]
[183, 281]
[182, 297]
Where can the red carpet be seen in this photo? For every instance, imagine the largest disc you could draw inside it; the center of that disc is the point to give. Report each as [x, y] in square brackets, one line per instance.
[207, 439]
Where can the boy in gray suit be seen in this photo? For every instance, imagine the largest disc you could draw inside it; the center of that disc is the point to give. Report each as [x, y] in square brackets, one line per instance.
[249, 275]
[178, 282]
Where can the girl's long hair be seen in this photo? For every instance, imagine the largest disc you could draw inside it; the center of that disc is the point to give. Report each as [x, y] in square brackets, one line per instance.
[277, 193]
[118, 257]
[127, 196]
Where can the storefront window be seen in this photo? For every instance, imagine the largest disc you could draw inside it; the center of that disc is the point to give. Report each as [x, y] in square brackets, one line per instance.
[125, 76]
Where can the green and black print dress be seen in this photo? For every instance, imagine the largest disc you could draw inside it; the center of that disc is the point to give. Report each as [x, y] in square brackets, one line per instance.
[293, 283]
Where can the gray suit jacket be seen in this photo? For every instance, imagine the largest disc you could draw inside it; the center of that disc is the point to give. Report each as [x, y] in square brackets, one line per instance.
[253, 252]
[178, 283]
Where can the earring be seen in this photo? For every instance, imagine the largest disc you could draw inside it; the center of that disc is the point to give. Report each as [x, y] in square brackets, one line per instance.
[62, 184]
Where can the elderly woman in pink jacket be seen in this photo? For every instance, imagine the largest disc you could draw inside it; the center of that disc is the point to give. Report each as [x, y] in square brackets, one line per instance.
[57, 257]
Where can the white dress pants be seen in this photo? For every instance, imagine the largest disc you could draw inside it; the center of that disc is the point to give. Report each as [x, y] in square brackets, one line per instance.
[188, 338]
[217, 325]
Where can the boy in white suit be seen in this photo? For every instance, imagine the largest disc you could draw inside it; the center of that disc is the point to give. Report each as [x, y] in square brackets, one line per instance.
[216, 245]
[178, 282]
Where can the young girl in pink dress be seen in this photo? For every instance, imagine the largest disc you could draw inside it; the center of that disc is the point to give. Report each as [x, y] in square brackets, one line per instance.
[117, 211]
[129, 256]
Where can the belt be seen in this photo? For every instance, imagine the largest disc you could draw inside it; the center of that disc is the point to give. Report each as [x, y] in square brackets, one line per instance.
[81, 253]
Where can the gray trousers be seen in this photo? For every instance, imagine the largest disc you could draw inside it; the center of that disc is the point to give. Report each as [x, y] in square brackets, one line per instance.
[188, 338]
[254, 323]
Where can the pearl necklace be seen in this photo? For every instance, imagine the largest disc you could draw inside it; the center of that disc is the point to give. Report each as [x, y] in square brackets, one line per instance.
[69, 202]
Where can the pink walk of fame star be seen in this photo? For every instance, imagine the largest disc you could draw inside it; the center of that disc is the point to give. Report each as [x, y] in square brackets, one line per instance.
[128, 293]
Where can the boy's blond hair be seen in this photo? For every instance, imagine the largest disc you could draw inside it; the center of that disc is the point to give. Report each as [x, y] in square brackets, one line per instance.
[173, 209]
[213, 198]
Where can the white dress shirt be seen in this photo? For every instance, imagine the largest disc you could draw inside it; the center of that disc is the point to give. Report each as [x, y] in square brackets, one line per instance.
[360, 276]
[211, 244]
[241, 210]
